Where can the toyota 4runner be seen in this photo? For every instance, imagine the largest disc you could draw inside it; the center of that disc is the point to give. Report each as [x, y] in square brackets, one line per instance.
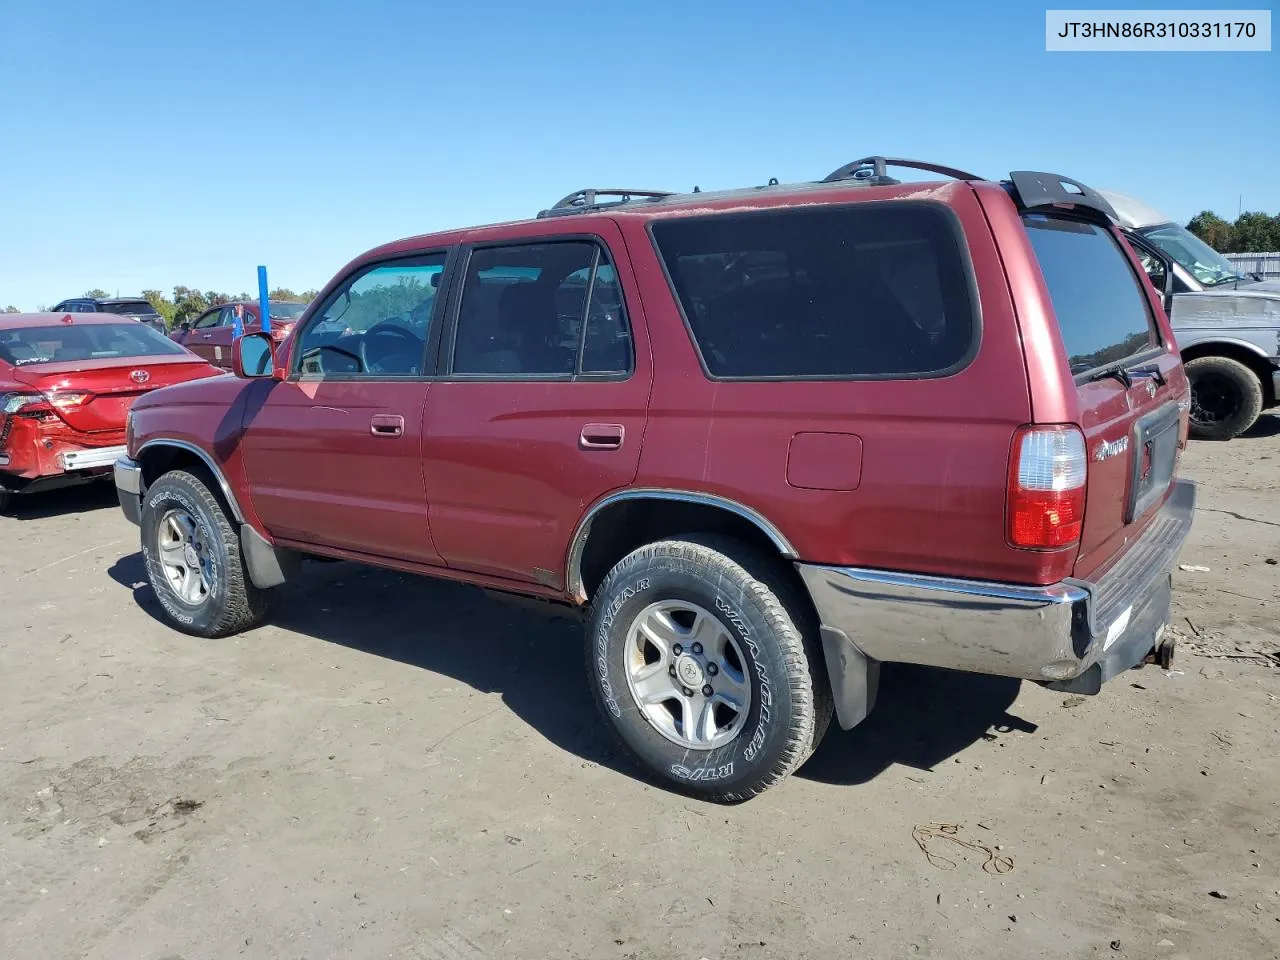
[765, 440]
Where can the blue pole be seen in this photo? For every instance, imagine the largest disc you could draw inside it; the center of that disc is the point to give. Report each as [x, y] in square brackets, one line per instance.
[262, 300]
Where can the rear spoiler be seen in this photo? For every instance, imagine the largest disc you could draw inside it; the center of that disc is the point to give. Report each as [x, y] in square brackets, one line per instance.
[1032, 190]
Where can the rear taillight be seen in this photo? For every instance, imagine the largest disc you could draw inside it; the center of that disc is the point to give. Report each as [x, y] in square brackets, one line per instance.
[69, 399]
[1047, 475]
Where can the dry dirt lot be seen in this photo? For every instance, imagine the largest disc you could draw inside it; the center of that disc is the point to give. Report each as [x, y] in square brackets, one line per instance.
[398, 768]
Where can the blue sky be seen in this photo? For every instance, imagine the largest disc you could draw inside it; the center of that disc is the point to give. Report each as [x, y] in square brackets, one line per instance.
[144, 145]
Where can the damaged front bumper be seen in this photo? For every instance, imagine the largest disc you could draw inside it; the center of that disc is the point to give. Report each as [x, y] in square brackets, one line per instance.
[1074, 635]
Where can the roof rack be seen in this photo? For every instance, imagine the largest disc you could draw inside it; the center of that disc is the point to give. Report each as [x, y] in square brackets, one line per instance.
[583, 201]
[1035, 189]
[873, 170]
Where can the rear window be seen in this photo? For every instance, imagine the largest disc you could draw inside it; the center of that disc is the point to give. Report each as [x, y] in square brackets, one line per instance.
[872, 291]
[97, 341]
[1102, 310]
[131, 307]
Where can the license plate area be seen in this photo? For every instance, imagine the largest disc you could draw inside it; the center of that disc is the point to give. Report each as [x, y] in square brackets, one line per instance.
[1152, 460]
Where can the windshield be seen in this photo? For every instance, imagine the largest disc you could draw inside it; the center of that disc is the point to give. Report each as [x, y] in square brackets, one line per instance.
[287, 311]
[96, 341]
[1203, 262]
[128, 306]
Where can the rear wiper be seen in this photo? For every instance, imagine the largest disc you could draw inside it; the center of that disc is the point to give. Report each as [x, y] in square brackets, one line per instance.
[1120, 373]
[1152, 372]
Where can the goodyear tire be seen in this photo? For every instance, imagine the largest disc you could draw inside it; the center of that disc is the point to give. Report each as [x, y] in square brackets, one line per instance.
[1226, 398]
[193, 559]
[702, 660]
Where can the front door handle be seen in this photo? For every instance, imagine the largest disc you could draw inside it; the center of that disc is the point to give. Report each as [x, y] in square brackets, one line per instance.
[601, 436]
[206, 336]
[386, 425]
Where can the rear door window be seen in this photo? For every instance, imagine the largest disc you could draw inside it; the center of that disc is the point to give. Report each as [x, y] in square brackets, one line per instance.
[1100, 304]
[869, 291]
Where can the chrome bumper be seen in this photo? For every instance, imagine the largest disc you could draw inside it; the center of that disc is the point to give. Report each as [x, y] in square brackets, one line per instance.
[128, 475]
[90, 457]
[1074, 635]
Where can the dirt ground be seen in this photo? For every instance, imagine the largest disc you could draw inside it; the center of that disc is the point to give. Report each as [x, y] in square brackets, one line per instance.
[399, 768]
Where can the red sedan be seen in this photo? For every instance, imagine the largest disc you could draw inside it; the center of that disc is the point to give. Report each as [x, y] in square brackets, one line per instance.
[66, 383]
[209, 335]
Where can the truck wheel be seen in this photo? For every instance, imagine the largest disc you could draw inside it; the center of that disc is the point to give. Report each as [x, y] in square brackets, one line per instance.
[704, 664]
[6, 499]
[194, 564]
[1226, 398]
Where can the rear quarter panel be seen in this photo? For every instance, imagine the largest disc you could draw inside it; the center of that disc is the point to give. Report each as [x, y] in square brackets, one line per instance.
[931, 493]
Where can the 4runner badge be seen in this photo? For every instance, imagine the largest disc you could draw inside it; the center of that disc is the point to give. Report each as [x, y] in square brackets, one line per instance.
[1110, 448]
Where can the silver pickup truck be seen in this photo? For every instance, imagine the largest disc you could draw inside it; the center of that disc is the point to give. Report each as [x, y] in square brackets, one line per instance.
[1227, 324]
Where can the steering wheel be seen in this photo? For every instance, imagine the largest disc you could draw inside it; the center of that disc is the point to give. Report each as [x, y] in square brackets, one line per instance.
[414, 345]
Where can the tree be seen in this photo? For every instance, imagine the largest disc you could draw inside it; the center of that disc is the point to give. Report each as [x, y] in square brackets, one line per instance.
[1213, 230]
[188, 304]
[96, 294]
[166, 308]
[11, 309]
[1254, 233]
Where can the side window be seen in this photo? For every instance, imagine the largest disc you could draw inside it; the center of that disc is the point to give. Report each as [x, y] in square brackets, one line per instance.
[208, 320]
[377, 325]
[551, 310]
[865, 291]
[1101, 310]
[1152, 265]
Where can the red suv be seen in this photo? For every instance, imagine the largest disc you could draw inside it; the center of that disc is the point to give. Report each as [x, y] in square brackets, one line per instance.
[765, 439]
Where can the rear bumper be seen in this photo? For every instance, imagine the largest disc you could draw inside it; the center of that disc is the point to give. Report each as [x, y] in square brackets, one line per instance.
[128, 476]
[1073, 635]
[90, 458]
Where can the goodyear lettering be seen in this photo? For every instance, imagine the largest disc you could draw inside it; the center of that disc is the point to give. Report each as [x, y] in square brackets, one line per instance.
[602, 643]
[765, 691]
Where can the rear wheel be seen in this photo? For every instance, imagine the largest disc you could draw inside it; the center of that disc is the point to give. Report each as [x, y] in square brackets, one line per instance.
[1226, 398]
[6, 499]
[703, 662]
[193, 558]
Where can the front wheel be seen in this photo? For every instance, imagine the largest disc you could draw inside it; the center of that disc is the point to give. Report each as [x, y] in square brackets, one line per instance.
[1226, 398]
[6, 499]
[193, 559]
[702, 661]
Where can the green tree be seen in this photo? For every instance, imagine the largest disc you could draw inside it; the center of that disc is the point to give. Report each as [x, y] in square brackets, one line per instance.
[165, 307]
[188, 304]
[96, 294]
[11, 309]
[1213, 230]
[1254, 233]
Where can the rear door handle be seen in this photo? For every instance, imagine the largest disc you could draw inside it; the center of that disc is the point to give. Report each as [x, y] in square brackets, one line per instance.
[601, 436]
[386, 425]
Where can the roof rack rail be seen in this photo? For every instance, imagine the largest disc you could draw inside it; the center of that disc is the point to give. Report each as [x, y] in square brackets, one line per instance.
[873, 170]
[582, 201]
[1035, 189]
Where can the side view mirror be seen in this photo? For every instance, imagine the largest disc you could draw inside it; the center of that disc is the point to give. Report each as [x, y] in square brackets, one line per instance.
[185, 326]
[254, 356]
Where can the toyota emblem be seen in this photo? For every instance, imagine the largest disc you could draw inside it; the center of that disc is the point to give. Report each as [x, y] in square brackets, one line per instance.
[140, 376]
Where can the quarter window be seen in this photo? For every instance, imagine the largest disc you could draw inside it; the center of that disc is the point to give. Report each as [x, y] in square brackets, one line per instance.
[549, 310]
[377, 326]
[876, 291]
[1101, 309]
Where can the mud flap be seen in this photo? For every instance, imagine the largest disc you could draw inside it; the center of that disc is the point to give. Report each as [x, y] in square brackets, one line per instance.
[855, 678]
[267, 566]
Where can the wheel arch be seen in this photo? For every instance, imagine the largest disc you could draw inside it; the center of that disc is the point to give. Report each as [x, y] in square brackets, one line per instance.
[161, 455]
[622, 521]
[1248, 354]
